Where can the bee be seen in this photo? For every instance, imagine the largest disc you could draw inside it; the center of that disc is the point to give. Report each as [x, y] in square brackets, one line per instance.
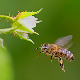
[58, 50]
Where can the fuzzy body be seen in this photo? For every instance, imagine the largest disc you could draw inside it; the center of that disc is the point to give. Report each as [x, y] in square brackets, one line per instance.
[55, 51]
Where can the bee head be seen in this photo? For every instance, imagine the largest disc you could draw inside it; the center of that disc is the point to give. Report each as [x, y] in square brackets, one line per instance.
[44, 47]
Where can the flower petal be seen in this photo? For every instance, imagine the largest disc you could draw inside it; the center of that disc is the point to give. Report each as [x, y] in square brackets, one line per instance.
[22, 35]
[29, 22]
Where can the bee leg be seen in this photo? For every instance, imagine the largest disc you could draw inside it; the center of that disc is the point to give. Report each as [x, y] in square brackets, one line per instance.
[38, 54]
[46, 54]
[61, 63]
[51, 58]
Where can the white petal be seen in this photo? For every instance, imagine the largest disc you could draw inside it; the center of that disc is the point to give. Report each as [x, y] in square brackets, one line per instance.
[23, 35]
[38, 21]
[29, 22]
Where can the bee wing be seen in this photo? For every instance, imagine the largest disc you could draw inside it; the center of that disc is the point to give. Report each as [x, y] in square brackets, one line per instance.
[68, 45]
[63, 40]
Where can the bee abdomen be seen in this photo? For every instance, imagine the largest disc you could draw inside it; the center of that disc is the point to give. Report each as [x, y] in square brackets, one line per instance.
[66, 54]
[70, 56]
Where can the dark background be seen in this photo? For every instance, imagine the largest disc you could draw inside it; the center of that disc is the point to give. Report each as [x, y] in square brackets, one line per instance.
[59, 18]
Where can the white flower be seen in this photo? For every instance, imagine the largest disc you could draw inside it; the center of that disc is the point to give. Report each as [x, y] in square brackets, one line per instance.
[29, 22]
[21, 25]
[25, 22]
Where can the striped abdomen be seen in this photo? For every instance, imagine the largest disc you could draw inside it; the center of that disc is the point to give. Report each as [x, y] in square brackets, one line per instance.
[64, 53]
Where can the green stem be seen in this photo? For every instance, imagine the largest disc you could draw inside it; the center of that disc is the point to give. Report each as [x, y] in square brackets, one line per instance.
[7, 30]
[8, 18]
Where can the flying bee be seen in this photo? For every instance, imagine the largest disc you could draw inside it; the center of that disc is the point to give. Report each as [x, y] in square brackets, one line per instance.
[57, 50]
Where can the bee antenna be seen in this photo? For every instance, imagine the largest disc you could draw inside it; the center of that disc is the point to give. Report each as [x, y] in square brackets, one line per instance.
[36, 48]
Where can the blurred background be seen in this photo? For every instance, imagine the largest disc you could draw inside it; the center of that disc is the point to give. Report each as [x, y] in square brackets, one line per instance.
[59, 18]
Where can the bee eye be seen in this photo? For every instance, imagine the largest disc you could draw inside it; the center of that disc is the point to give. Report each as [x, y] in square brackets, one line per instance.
[45, 48]
[45, 45]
